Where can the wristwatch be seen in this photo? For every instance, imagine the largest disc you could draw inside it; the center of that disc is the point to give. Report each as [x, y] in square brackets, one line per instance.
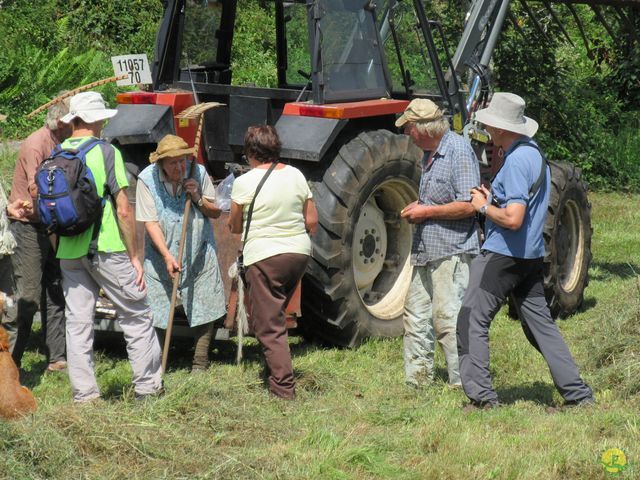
[483, 209]
[200, 202]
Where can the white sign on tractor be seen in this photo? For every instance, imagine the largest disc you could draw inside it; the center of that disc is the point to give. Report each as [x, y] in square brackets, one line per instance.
[136, 66]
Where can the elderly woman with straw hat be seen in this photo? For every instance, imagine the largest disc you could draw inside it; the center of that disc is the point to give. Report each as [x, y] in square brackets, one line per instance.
[161, 196]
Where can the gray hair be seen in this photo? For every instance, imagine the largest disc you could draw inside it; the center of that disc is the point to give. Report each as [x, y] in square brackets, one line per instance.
[435, 128]
[58, 110]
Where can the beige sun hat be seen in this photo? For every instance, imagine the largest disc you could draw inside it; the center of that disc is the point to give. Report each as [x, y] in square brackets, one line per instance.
[506, 111]
[419, 110]
[90, 107]
[170, 146]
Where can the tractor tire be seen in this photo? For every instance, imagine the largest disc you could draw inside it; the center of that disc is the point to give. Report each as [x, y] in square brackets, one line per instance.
[360, 269]
[567, 238]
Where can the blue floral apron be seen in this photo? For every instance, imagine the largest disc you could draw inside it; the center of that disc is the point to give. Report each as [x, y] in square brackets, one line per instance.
[200, 289]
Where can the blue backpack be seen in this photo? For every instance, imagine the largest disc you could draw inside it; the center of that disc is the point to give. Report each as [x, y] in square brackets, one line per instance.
[68, 200]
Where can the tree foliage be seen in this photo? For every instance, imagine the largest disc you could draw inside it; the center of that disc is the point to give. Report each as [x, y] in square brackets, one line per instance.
[585, 96]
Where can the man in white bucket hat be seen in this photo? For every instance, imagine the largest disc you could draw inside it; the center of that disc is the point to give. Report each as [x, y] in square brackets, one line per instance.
[115, 266]
[511, 260]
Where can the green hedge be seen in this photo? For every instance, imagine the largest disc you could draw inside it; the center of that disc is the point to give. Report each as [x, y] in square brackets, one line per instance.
[585, 101]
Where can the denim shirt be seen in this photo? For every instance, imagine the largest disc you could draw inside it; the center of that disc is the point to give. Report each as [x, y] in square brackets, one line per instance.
[449, 178]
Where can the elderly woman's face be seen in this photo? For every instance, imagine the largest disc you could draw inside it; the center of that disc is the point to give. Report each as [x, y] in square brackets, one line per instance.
[174, 168]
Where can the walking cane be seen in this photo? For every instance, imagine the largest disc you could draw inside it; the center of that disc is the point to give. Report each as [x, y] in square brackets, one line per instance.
[196, 111]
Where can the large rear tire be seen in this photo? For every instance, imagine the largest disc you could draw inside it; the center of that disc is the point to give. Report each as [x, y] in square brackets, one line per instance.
[360, 269]
[567, 236]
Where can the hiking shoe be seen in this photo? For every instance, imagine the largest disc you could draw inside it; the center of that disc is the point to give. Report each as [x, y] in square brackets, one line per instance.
[582, 403]
[474, 406]
[143, 397]
[59, 366]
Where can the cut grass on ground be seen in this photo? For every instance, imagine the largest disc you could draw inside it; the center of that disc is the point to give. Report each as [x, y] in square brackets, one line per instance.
[354, 418]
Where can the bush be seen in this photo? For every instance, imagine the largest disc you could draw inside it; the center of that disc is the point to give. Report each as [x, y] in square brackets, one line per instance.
[50, 46]
[577, 96]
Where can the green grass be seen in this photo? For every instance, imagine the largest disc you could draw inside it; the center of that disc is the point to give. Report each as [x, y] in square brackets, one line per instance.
[354, 418]
[7, 164]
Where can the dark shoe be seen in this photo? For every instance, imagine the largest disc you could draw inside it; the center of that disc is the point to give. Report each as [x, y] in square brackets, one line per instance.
[143, 397]
[474, 406]
[582, 403]
[59, 366]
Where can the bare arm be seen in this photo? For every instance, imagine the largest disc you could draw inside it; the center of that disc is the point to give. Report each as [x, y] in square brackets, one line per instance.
[235, 218]
[207, 208]
[415, 213]
[510, 217]
[310, 216]
[127, 224]
[157, 237]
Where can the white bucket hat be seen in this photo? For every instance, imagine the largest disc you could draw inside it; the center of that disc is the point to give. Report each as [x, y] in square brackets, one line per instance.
[506, 111]
[90, 107]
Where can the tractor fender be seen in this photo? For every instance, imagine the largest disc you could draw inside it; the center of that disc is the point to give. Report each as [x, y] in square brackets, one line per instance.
[136, 124]
[307, 138]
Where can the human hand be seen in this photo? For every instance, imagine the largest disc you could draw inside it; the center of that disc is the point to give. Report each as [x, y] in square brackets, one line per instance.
[409, 207]
[479, 197]
[139, 274]
[192, 188]
[173, 266]
[415, 213]
[20, 209]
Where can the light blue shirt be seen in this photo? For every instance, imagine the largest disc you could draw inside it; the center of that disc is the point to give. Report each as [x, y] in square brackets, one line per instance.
[512, 185]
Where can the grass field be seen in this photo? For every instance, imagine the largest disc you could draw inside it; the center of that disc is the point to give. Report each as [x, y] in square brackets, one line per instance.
[354, 418]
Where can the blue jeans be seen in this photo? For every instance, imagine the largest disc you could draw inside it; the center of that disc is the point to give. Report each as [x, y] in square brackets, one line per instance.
[431, 311]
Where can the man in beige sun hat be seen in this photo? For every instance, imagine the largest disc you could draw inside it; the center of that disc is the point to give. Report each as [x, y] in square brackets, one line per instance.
[511, 262]
[114, 268]
[161, 194]
[444, 241]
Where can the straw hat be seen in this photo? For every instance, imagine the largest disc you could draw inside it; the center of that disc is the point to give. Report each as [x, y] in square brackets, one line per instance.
[170, 146]
[419, 110]
[90, 107]
[506, 111]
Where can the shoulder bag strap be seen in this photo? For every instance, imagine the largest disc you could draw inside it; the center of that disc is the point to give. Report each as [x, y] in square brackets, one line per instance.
[250, 212]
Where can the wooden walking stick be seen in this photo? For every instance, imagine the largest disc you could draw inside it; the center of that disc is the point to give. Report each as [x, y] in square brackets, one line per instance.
[194, 112]
[71, 93]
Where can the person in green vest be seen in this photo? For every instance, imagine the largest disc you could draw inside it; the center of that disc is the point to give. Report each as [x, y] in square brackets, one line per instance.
[115, 268]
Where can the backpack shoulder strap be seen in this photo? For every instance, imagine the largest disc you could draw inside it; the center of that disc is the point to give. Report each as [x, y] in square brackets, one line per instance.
[84, 148]
[543, 166]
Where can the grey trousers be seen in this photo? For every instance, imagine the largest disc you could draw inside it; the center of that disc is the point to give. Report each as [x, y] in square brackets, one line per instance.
[491, 279]
[38, 285]
[431, 312]
[81, 280]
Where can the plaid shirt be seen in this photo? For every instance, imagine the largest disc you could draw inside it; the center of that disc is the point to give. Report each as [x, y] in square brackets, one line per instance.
[450, 177]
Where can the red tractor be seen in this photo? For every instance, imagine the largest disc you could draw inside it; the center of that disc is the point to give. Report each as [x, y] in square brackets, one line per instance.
[346, 69]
